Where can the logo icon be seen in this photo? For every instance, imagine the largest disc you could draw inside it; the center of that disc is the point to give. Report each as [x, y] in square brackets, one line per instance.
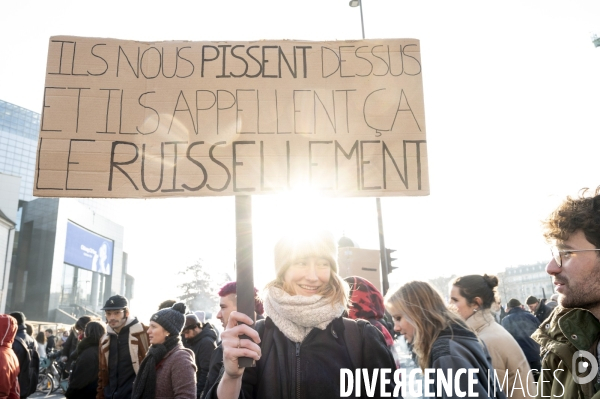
[584, 362]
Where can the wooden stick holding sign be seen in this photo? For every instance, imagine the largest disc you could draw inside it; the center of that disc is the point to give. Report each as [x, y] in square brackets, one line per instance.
[244, 267]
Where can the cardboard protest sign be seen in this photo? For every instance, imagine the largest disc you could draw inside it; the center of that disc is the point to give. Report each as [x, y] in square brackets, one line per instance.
[128, 119]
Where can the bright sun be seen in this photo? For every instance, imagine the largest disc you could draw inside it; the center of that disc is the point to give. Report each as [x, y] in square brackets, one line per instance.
[299, 211]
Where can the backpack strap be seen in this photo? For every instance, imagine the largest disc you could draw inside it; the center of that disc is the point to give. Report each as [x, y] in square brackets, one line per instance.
[22, 342]
[354, 340]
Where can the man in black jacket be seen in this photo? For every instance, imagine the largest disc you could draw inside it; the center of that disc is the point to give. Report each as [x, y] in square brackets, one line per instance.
[202, 340]
[24, 354]
[50, 340]
[539, 309]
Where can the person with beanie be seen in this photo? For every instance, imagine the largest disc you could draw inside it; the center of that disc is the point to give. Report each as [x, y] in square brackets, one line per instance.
[304, 342]
[168, 370]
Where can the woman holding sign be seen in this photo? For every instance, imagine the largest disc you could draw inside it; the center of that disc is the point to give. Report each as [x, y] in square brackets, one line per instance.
[446, 349]
[304, 345]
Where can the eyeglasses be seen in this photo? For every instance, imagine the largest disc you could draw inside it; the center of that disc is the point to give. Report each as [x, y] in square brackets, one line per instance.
[558, 254]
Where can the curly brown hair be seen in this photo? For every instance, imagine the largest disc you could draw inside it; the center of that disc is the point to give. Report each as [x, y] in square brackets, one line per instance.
[582, 213]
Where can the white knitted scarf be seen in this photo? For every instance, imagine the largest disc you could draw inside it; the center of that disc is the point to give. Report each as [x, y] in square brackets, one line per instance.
[297, 315]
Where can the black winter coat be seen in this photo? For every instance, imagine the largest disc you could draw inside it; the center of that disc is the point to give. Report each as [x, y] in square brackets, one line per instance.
[50, 343]
[542, 312]
[311, 369]
[84, 377]
[22, 355]
[459, 348]
[203, 346]
[69, 349]
[214, 369]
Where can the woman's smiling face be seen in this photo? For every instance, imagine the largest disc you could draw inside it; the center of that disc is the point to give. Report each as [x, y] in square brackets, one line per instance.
[307, 276]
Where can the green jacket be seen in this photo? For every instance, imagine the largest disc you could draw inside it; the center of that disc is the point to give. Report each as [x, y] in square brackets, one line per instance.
[561, 335]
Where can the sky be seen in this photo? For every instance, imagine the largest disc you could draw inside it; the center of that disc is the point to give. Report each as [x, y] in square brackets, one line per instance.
[511, 94]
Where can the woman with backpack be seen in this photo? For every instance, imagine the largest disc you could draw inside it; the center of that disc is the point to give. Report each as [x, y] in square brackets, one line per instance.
[84, 377]
[441, 341]
[304, 343]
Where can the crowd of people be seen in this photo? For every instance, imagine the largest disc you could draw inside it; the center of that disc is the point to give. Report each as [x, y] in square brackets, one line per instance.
[309, 324]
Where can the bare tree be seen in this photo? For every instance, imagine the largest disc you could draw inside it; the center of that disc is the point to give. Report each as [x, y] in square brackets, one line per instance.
[199, 288]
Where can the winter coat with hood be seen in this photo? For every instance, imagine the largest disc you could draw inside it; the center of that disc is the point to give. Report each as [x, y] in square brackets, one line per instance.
[138, 344]
[508, 359]
[459, 348]
[564, 333]
[311, 369]
[203, 346]
[9, 364]
[366, 302]
[83, 381]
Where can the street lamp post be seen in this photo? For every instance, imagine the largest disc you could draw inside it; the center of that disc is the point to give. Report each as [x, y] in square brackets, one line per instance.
[386, 268]
[355, 3]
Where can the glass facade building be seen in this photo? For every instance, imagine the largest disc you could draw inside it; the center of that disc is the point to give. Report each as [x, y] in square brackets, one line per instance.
[43, 282]
[19, 131]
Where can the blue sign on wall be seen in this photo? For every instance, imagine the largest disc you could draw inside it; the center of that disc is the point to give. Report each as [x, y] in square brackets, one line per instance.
[88, 250]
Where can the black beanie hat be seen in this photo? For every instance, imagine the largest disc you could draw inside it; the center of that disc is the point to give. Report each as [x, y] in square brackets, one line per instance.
[171, 319]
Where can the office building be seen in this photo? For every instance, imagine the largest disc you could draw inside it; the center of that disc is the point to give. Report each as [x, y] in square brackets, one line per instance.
[62, 257]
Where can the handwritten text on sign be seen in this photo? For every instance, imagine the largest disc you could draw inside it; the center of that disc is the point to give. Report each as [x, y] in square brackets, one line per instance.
[132, 119]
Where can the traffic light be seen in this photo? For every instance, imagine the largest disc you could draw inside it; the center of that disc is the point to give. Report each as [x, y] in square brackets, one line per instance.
[388, 254]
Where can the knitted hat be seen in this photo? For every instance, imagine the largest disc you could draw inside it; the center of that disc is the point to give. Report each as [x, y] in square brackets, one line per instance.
[318, 244]
[531, 300]
[513, 303]
[171, 319]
